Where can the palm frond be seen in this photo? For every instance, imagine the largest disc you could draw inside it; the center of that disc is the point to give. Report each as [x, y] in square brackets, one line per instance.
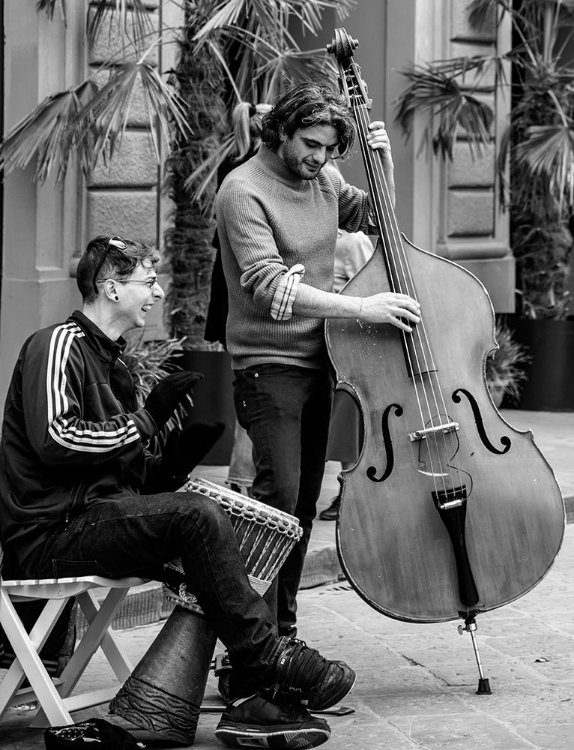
[271, 15]
[207, 170]
[219, 55]
[139, 29]
[480, 67]
[48, 6]
[450, 107]
[228, 14]
[90, 122]
[47, 134]
[547, 155]
[149, 362]
[295, 65]
[504, 367]
[269, 63]
[481, 11]
[310, 13]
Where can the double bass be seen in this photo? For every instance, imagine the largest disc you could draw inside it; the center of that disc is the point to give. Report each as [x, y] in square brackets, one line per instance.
[449, 512]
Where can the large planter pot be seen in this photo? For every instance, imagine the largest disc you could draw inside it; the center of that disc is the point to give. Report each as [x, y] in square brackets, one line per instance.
[213, 398]
[550, 374]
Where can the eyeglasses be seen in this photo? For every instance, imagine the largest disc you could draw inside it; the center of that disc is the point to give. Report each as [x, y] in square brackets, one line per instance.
[114, 241]
[150, 282]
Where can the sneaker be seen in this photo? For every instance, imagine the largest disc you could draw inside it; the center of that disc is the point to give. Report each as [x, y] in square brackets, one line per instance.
[258, 721]
[321, 683]
[332, 512]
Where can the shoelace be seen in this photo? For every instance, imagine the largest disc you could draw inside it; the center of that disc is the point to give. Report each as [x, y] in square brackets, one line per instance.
[301, 667]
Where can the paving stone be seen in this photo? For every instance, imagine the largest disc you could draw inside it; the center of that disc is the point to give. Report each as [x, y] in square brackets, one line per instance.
[416, 683]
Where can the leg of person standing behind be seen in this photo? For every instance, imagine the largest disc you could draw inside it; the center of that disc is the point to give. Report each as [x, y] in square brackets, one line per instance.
[241, 470]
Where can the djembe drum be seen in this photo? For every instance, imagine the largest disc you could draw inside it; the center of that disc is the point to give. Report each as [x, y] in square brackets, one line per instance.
[164, 692]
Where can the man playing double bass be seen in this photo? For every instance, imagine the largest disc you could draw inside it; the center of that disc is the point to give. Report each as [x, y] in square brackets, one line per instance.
[278, 217]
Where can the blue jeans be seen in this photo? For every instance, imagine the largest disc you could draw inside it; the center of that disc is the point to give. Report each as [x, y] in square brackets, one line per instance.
[286, 410]
[135, 535]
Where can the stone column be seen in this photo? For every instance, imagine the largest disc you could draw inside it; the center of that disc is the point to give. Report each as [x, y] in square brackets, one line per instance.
[42, 223]
[46, 227]
[451, 208]
[473, 230]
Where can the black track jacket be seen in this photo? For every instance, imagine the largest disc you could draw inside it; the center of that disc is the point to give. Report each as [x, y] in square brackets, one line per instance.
[71, 433]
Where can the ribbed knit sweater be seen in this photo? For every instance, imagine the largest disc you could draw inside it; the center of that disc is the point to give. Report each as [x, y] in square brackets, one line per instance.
[269, 220]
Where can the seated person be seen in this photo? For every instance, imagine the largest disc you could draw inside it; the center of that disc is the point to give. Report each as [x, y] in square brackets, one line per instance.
[85, 491]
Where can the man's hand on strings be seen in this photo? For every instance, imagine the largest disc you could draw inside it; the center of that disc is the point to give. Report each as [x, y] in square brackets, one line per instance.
[378, 138]
[390, 307]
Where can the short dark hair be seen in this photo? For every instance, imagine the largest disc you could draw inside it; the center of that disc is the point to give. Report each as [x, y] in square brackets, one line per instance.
[119, 263]
[306, 105]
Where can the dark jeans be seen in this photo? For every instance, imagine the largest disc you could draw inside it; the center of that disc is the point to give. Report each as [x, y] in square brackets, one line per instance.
[136, 535]
[286, 410]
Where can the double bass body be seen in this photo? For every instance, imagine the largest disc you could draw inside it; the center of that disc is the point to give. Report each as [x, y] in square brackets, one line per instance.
[499, 495]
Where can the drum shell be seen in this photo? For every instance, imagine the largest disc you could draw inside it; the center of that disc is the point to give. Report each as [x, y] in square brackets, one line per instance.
[163, 694]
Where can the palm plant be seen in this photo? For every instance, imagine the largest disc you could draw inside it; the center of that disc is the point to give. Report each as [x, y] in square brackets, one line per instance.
[88, 119]
[198, 77]
[149, 362]
[504, 368]
[260, 55]
[228, 51]
[538, 145]
[250, 53]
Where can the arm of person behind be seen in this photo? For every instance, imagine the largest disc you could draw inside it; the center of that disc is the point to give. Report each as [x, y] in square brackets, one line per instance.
[352, 252]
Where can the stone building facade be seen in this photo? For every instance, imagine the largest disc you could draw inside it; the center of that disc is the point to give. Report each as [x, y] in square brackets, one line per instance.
[450, 209]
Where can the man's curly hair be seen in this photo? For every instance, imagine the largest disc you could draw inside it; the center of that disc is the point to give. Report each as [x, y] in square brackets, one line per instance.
[306, 105]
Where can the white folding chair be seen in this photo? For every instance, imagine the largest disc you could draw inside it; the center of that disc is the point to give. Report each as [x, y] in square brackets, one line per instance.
[54, 696]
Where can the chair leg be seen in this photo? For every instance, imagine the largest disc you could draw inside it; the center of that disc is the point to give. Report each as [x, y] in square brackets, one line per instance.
[28, 663]
[120, 664]
[99, 619]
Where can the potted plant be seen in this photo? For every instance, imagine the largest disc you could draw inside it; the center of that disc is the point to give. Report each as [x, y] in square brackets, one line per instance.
[538, 150]
[504, 368]
[148, 362]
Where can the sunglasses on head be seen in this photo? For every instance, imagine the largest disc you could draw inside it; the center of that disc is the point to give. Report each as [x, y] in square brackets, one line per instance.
[114, 241]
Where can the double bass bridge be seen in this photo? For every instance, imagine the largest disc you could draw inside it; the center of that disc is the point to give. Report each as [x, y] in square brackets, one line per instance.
[451, 497]
[443, 429]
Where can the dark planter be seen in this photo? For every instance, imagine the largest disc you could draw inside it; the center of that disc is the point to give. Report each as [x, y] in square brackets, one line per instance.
[213, 398]
[550, 374]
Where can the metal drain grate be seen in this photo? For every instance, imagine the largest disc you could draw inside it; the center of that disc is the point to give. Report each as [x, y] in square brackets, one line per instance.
[335, 588]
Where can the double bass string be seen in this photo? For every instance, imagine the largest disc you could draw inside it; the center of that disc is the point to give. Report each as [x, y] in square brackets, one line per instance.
[401, 280]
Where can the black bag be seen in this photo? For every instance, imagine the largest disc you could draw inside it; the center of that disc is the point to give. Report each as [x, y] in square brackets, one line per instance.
[97, 734]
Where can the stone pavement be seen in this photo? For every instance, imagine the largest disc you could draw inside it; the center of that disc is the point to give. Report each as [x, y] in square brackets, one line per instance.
[416, 684]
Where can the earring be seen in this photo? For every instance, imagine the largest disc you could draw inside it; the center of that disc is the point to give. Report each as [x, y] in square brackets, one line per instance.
[116, 298]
